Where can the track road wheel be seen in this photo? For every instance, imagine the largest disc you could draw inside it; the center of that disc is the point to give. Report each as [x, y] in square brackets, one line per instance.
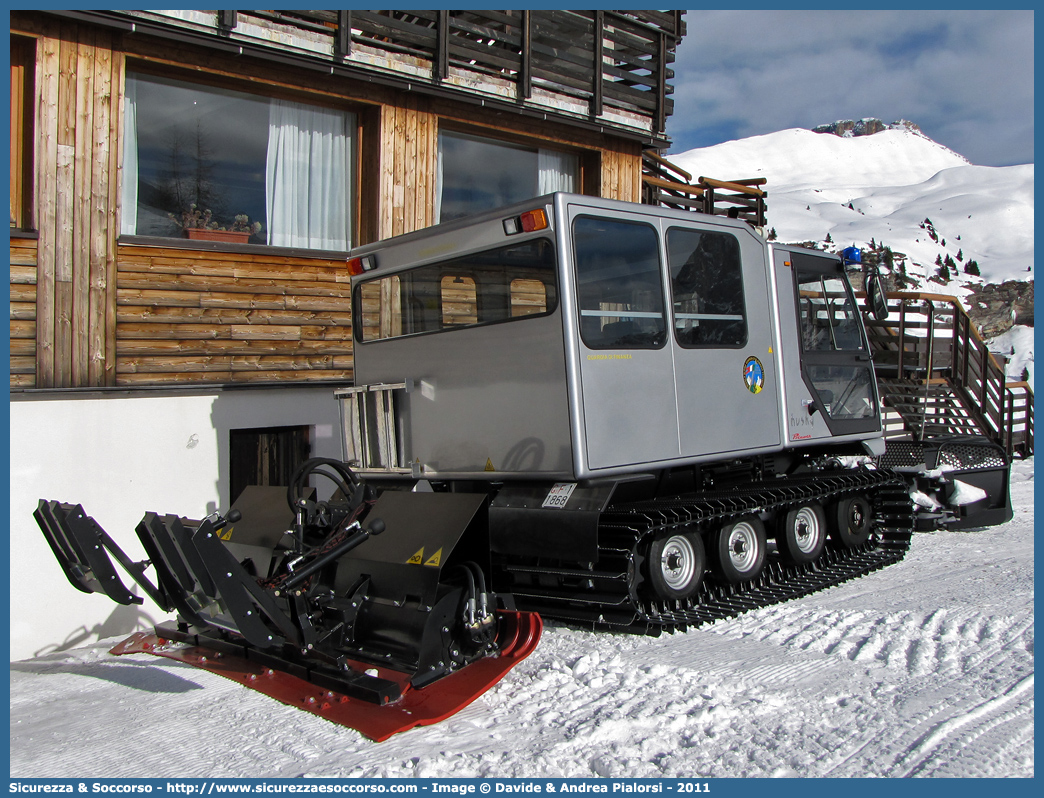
[676, 565]
[739, 551]
[851, 522]
[801, 534]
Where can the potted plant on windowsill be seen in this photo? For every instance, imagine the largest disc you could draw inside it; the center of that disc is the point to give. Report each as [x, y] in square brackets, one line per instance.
[199, 225]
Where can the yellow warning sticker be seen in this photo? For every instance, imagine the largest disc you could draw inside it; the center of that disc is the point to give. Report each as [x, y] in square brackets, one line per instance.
[435, 559]
[417, 558]
[489, 465]
[226, 535]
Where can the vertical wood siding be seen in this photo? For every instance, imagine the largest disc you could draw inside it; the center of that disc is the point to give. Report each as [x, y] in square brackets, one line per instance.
[622, 171]
[408, 155]
[76, 193]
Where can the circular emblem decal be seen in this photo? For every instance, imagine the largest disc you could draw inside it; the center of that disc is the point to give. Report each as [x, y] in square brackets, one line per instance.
[753, 375]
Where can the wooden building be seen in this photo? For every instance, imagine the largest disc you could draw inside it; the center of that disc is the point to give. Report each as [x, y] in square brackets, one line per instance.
[185, 184]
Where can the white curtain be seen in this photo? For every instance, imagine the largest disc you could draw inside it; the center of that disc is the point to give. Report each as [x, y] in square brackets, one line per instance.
[129, 195]
[308, 177]
[438, 181]
[556, 171]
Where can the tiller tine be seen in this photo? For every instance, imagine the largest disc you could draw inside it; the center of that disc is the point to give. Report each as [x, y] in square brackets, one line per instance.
[518, 635]
[206, 583]
[79, 544]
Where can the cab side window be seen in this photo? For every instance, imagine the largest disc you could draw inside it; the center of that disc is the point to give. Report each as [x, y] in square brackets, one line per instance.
[619, 284]
[706, 288]
[488, 287]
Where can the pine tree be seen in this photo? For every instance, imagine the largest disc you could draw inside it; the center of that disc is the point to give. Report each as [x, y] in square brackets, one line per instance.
[960, 255]
[972, 268]
[772, 234]
[938, 260]
[828, 239]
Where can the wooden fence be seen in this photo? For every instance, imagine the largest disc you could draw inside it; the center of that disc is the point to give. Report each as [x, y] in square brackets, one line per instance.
[667, 184]
[607, 59]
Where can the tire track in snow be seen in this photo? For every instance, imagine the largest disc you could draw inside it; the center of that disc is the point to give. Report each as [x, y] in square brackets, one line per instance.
[919, 756]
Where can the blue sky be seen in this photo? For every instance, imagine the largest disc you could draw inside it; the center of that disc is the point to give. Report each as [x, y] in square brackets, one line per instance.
[965, 77]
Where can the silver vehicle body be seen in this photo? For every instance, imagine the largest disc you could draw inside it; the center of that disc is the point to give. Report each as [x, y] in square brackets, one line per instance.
[541, 396]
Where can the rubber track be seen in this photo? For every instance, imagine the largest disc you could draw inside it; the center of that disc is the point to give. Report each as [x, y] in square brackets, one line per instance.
[619, 603]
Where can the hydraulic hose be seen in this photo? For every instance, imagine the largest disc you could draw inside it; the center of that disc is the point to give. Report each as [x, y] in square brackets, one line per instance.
[343, 478]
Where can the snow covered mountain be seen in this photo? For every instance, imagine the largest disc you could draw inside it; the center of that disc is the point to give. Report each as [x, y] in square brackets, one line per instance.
[895, 188]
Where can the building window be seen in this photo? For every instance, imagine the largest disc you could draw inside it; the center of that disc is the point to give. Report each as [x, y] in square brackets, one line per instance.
[478, 174]
[23, 62]
[198, 157]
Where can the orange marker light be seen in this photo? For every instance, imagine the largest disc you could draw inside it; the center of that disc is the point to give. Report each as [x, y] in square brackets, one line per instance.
[361, 264]
[533, 220]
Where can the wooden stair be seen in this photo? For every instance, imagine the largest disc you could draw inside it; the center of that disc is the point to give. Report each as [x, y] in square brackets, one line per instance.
[937, 377]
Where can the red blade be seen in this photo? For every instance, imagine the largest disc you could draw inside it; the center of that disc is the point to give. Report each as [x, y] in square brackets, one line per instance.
[518, 635]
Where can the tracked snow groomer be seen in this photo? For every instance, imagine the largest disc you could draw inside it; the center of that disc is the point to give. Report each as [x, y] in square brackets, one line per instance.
[616, 415]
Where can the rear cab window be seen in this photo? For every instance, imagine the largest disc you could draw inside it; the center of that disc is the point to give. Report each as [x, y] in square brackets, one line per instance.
[496, 285]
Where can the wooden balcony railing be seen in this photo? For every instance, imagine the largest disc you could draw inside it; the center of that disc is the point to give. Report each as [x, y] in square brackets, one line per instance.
[666, 184]
[609, 67]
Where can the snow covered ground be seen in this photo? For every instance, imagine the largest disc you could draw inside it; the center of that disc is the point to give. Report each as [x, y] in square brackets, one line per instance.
[922, 669]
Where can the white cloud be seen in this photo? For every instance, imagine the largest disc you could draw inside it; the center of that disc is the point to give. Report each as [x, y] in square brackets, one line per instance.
[966, 77]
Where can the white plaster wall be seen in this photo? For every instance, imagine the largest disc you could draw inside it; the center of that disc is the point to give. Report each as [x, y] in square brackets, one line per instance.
[120, 456]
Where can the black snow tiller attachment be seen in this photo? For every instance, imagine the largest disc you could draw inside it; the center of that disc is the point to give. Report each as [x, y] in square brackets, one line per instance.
[374, 613]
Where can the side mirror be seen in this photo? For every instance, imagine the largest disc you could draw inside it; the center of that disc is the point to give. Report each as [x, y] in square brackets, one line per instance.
[876, 301]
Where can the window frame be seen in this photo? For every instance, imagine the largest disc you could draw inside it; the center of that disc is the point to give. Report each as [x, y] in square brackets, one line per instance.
[23, 129]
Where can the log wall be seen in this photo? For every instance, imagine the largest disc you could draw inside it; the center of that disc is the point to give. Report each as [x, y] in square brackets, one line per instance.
[23, 313]
[186, 316]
